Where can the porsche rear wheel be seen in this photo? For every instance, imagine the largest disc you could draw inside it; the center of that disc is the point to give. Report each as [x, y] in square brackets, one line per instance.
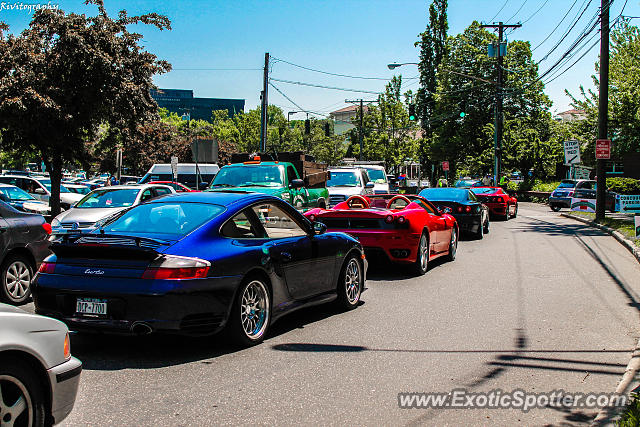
[251, 313]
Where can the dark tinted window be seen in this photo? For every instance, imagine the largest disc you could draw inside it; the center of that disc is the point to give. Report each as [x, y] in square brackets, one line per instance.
[164, 218]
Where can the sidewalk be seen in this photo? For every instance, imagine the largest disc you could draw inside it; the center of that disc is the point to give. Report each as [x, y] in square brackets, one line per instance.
[620, 222]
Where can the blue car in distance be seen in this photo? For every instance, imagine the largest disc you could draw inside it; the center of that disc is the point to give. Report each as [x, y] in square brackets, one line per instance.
[198, 263]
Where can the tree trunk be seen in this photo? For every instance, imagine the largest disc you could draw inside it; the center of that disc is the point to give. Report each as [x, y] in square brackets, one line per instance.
[55, 175]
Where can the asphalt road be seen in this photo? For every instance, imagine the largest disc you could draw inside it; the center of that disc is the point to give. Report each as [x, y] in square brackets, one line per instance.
[541, 303]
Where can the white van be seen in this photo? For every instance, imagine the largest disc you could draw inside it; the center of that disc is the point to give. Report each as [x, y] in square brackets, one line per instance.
[186, 174]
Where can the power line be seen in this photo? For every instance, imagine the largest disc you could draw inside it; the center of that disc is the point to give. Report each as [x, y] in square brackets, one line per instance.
[216, 69]
[329, 73]
[324, 87]
[517, 11]
[557, 26]
[498, 12]
[287, 98]
[536, 12]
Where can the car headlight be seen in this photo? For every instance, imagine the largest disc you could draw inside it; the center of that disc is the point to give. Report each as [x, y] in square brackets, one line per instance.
[286, 196]
[55, 222]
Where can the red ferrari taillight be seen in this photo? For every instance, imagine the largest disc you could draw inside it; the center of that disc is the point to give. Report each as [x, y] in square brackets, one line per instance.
[47, 267]
[169, 267]
[47, 227]
[389, 219]
[401, 220]
[467, 209]
[459, 209]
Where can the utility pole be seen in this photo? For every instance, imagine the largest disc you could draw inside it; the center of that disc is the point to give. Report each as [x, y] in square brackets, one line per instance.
[264, 106]
[497, 134]
[361, 130]
[603, 106]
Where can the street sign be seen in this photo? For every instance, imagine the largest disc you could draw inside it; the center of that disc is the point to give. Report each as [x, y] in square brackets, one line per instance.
[174, 167]
[445, 166]
[603, 149]
[630, 203]
[581, 173]
[583, 205]
[571, 152]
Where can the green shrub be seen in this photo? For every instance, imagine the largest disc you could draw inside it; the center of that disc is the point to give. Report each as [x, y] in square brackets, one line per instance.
[631, 415]
[545, 186]
[623, 185]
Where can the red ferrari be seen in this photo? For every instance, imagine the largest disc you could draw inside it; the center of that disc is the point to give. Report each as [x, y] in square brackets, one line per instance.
[179, 187]
[406, 229]
[500, 204]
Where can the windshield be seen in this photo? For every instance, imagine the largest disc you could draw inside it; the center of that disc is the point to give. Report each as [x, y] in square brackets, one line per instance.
[109, 198]
[164, 218]
[567, 184]
[249, 176]
[47, 184]
[444, 194]
[484, 190]
[343, 179]
[16, 194]
[377, 176]
[465, 183]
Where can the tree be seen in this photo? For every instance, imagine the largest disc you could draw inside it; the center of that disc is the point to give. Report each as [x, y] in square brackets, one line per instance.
[433, 47]
[466, 140]
[68, 74]
[624, 98]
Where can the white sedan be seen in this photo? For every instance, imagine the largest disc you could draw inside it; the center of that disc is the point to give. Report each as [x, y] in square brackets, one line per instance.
[38, 376]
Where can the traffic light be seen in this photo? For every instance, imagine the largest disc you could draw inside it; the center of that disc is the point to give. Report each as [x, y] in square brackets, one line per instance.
[412, 112]
[327, 129]
[307, 127]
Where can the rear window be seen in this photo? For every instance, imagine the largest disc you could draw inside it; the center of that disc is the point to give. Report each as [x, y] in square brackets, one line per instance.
[567, 184]
[109, 198]
[164, 218]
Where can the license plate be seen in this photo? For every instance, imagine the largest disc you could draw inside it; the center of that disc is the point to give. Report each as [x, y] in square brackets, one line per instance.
[91, 306]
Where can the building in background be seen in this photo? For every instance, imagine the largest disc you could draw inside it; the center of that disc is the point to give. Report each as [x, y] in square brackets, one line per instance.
[342, 118]
[571, 116]
[181, 101]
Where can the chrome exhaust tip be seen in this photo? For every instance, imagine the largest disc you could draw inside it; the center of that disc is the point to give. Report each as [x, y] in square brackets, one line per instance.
[141, 328]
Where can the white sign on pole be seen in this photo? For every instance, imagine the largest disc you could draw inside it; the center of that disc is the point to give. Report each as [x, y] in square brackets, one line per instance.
[581, 173]
[174, 167]
[630, 203]
[571, 152]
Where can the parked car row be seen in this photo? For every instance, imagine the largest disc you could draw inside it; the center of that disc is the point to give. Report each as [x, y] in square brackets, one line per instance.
[578, 188]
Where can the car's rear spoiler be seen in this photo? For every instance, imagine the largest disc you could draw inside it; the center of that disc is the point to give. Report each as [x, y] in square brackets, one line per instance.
[90, 245]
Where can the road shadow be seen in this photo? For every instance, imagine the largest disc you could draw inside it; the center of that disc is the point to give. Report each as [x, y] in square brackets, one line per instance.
[381, 269]
[104, 352]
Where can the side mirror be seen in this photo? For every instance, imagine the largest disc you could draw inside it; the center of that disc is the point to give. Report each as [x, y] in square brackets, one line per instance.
[319, 228]
[369, 185]
[297, 183]
[40, 191]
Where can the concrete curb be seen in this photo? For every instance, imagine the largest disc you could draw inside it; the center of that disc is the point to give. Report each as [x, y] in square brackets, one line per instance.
[607, 414]
[627, 243]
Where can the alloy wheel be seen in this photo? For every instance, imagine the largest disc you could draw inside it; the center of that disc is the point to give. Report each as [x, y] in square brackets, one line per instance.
[16, 407]
[423, 252]
[254, 309]
[352, 281]
[17, 280]
[453, 246]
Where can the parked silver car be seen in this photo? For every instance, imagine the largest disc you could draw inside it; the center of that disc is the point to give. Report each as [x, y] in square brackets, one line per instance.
[103, 203]
[38, 376]
[40, 188]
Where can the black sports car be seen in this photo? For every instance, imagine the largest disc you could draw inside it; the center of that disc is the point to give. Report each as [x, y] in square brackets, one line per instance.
[195, 263]
[471, 214]
[23, 246]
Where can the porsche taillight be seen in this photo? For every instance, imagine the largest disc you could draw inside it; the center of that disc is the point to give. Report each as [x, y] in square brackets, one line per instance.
[170, 267]
[47, 267]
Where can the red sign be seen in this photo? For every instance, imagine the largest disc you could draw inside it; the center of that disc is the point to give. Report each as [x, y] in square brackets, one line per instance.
[445, 166]
[603, 149]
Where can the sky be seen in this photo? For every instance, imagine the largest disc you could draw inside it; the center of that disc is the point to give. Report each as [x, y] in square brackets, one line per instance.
[217, 48]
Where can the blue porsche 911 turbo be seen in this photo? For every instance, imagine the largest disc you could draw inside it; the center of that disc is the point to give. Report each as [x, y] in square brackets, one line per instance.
[197, 263]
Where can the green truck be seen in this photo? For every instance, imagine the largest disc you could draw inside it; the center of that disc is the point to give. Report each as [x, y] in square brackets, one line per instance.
[294, 177]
